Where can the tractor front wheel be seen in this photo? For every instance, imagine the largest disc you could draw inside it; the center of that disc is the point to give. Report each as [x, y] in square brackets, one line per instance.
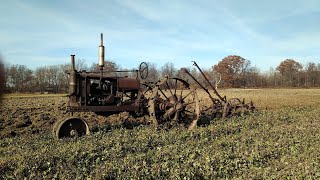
[70, 128]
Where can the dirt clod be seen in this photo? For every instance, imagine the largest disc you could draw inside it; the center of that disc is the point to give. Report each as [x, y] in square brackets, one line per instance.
[34, 115]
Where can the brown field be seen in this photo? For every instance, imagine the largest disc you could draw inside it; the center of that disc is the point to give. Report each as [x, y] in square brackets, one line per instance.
[273, 98]
[33, 114]
[280, 141]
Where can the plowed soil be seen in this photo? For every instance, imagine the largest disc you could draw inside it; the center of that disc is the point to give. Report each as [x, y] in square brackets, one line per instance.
[34, 115]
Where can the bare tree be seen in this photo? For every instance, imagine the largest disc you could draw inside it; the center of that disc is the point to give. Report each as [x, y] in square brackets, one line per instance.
[62, 78]
[153, 74]
[2, 78]
[41, 78]
[232, 71]
[80, 65]
[19, 78]
[245, 73]
[108, 66]
[216, 76]
[311, 74]
[52, 75]
[168, 69]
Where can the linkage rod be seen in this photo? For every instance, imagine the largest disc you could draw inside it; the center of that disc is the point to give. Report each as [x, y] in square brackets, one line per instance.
[205, 89]
[205, 77]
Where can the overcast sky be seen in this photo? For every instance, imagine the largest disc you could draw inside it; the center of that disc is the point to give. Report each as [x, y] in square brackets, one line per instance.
[39, 32]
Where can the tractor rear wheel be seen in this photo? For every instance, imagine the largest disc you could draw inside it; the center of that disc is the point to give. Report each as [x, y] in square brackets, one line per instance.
[173, 101]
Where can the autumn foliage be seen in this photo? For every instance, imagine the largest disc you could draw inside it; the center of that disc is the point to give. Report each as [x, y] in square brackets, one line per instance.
[289, 66]
[290, 71]
[231, 69]
[234, 70]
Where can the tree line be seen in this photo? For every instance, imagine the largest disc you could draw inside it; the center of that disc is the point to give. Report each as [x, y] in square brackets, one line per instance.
[231, 72]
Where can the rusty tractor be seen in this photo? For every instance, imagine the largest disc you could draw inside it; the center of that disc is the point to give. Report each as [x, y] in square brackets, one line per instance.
[170, 100]
[167, 102]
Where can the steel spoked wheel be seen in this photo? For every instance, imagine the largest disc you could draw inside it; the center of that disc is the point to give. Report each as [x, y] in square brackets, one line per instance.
[173, 101]
[70, 128]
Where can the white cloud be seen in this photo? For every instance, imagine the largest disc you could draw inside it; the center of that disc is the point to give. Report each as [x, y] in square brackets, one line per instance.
[155, 30]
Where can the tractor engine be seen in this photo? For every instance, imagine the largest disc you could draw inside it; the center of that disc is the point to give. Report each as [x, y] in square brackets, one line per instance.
[112, 91]
[98, 91]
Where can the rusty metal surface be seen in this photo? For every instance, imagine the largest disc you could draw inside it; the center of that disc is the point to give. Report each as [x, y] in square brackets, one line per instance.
[70, 128]
[143, 70]
[109, 108]
[101, 52]
[221, 107]
[173, 102]
[208, 82]
[72, 77]
[168, 102]
[128, 83]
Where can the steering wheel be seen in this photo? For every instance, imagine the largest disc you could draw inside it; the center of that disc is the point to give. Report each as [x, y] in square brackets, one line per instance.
[143, 70]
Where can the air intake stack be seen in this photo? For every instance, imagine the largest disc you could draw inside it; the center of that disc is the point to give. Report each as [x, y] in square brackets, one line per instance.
[72, 77]
[101, 53]
[101, 60]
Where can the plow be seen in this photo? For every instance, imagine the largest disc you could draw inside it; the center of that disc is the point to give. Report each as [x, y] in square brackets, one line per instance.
[221, 107]
[167, 102]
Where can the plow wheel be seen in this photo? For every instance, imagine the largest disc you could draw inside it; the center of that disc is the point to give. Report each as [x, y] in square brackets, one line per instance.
[172, 101]
[236, 107]
[215, 111]
[70, 128]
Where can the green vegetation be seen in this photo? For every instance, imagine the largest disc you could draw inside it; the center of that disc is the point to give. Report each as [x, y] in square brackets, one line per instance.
[270, 144]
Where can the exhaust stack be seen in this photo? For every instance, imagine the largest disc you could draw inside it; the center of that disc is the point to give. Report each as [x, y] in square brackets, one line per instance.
[101, 53]
[72, 68]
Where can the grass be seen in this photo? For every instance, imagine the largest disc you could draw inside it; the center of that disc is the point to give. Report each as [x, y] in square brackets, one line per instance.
[281, 142]
[272, 99]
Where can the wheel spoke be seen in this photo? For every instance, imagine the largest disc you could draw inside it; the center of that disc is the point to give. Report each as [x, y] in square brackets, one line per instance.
[188, 103]
[169, 88]
[147, 90]
[176, 116]
[163, 94]
[174, 106]
[188, 94]
[168, 113]
[175, 87]
[189, 112]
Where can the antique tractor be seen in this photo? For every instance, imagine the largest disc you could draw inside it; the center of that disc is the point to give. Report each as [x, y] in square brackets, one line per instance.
[169, 100]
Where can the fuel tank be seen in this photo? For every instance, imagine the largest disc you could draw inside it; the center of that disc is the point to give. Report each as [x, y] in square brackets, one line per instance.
[128, 83]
